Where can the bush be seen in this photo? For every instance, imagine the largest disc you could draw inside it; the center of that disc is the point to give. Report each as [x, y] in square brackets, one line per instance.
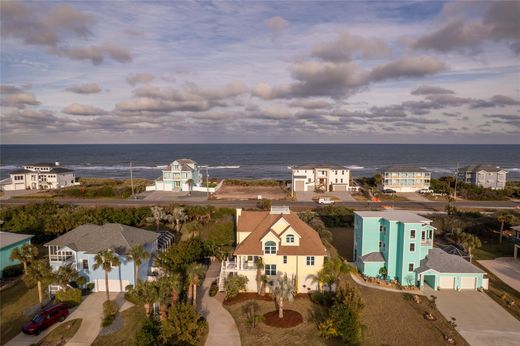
[12, 271]
[71, 297]
[213, 290]
[148, 333]
[90, 286]
[183, 326]
[264, 204]
[110, 310]
[235, 284]
[326, 298]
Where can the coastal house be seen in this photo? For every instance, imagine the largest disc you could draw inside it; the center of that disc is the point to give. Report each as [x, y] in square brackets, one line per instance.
[78, 247]
[320, 178]
[401, 242]
[8, 242]
[180, 175]
[285, 243]
[486, 176]
[516, 240]
[40, 176]
[405, 178]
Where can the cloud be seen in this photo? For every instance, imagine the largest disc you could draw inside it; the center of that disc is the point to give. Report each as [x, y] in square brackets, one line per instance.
[78, 109]
[431, 90]
[146, 104]
[276, 25]
[18, 99]
[495, 101]
[136, 78]
[348, 46]
[29, 119]
[88, 88]
[96, 53]
[9, 89]
[410, 67]
[311, 104]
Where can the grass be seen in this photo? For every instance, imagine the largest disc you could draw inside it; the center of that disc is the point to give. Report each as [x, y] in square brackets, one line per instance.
[491, 249]
[343, 241]
[13, 302]
[62, 333]
[133, 319]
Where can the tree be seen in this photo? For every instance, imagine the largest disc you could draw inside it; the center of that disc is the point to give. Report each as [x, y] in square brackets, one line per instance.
[25, 254]
[337, 269]
[158, 215]
[195, 273]
[183, 326]
[471, 242]
[190, 183]
[106, 260]
[265, 280]
[259, 268]
[177, 217]
[322, 277]
[503, 217]
[137, 254]
[169, 287]
[65, 274]
[282, 291]
[147, 294]
[178, 256]
[378, 180]
[383, 272]
[264, 204]
[234, 284]
[39, 272]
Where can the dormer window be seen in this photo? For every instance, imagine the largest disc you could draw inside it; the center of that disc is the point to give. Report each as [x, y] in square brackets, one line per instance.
[270, 247]
[289, 238]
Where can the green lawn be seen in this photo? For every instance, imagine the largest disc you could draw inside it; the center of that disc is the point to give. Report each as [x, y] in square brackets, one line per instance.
[491, 249]
[13, 302]
[133, 319]
[62, 333]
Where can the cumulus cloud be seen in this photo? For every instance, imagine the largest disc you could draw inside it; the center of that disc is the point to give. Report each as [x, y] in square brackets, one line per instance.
[79, 109]
[410, 67]
[276, 25]
[137, 78]
[18, 99]
[348, 46]
[9, 89]
[146, 104]
[96, 53]
[88, 88]
[29, 119]
[311, 104]
[431, 90]
[495, 101]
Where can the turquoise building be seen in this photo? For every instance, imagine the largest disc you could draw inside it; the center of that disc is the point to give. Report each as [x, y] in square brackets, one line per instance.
[8, 242]
[401, 242]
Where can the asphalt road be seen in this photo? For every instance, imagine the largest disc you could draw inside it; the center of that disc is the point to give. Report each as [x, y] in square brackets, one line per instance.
[430, 205]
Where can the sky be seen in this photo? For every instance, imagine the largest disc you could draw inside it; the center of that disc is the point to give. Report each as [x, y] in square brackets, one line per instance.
[259, 72]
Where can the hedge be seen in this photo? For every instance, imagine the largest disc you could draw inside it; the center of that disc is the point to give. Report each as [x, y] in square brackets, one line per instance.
[12, 271]
[71, 297]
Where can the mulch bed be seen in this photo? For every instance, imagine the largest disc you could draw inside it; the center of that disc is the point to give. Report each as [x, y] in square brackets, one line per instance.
[290, 319]
[246, 296]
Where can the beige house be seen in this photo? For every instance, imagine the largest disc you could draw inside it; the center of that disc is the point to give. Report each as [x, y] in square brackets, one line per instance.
[324, 178]
[286, 244]
[405, 178]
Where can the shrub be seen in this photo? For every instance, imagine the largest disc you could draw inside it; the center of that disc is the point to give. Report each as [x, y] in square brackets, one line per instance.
[90, 286]
[235, 284]
[71, 297]
[213, 290]
[148, 333]
[110, 309]
[12, 271]
[183, 326]
[326, 298]
[264, 204]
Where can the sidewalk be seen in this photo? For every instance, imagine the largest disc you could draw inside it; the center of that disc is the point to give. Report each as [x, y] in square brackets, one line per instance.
[222, 327]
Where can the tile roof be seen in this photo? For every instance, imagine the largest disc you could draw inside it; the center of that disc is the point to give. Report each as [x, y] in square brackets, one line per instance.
[403, 168]
[373, 257]
[259, 223]
[8, 238]
[443, 262]
[395, 215]
[94, 238]
[477, 168]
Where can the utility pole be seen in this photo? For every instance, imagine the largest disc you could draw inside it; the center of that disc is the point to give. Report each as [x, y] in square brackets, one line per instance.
[207, 180]
[456, 179]
[132, 179]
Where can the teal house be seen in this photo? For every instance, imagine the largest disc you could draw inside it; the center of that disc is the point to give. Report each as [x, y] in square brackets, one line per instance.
[401, 242]
[8, 242]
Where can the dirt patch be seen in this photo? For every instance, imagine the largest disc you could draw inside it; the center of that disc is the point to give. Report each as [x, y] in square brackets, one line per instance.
[290, 319]
[246, 296]
[343, 241]
[235, 192]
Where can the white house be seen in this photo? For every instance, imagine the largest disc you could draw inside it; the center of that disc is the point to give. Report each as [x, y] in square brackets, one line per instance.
[405, 178]
[180, 175]
[40, 176]
[320, 177]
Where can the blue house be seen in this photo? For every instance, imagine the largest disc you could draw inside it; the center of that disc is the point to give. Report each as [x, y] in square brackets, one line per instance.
[8, 242]
[78, 248]
[401, 242]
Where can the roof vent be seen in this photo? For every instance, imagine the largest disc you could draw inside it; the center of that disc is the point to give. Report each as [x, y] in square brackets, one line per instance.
[280, 209]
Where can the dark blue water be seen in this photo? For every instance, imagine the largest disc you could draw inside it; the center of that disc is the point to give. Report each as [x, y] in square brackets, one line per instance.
[257, 160]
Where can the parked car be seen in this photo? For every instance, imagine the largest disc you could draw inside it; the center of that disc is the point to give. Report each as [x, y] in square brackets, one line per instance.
[388, 191]
[325, 200]
[46, 318]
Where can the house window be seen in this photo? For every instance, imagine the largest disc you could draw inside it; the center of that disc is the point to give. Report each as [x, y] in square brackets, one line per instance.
[423, 235]
[336, 180]
[310, 260]
[380, 243]
[284, 259]
[270, 269]
[412, 234]
[430, 234]
[84, 264]
[380, 228]
[289, 238]
[270, 247]
[309, 180]
[410, 267]
[341, 180]
[412, 247]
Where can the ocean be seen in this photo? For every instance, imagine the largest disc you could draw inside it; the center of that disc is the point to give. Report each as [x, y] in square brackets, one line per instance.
[255, 161]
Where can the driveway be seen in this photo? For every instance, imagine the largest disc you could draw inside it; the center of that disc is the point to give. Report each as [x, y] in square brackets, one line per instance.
[307, 196]
[479, 319]
[506, 268]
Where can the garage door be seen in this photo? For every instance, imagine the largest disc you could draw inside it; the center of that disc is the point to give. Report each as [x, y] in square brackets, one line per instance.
[113, 285]
[298, 185]
[340, 187]
[468, 283]
[447, 282]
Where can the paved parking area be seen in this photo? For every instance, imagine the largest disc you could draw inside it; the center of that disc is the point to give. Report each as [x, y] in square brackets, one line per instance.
[506, 268]
[479, 319]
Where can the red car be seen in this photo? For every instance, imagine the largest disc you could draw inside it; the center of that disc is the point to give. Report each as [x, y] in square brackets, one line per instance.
[46, 318]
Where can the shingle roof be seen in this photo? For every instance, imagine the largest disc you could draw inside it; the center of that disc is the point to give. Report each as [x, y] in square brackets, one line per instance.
[402, 168]
[477, 168]
[443, 262]
[259, 223]
[395, 215]
[8, 238]
[184, 165]
[94, 238]
[20, 171]
[315, 166]
[43, 164]
[373, 257]
[60, 170]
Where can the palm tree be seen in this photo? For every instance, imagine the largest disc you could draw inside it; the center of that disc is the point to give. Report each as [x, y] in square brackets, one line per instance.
[39, 272]
[195, 273]
[64, 275]
[190, 183]
[106, 260]
[322, 277]
[137, 254]
[25, 254]
[265, 280]
[177, 217]
[259, 267]
[147, 293]
[503, 217]
[471, 242]
[158, 215]
[282, 290]
[336, 269]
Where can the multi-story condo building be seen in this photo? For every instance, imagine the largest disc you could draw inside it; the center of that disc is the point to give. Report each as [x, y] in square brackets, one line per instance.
[285, 243]
[180, 175]
[40, 176]
[8, 242]
[401, 242]
[320, 177]
[484, 176]
[405, 178]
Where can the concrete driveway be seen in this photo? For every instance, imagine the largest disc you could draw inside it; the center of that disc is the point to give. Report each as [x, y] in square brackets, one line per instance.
[479, 319]
[506, 268]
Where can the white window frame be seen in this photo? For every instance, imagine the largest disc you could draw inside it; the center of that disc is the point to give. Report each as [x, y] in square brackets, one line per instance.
[410, 247]
[413, 267]
[310, 260]
[284, 259]
[269, 249]
[269, 269]
[291, 237]
[413, 234]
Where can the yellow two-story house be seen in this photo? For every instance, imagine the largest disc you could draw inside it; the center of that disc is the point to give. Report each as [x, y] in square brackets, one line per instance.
[286, 244]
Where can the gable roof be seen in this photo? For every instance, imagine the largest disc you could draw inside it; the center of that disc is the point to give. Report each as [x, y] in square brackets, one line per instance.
[8, 238]
[395, 215]
[403, 168]
[184, 163]
[373, 257]
[259, 223]
[443, 262]
[478, 168]
[94, 238]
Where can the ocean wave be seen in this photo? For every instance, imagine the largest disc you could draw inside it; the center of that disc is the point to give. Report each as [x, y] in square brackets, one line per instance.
[223, 167]
[439, 169]
[355, 168]
[109, 168]
[512, 169]
[9, 167]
